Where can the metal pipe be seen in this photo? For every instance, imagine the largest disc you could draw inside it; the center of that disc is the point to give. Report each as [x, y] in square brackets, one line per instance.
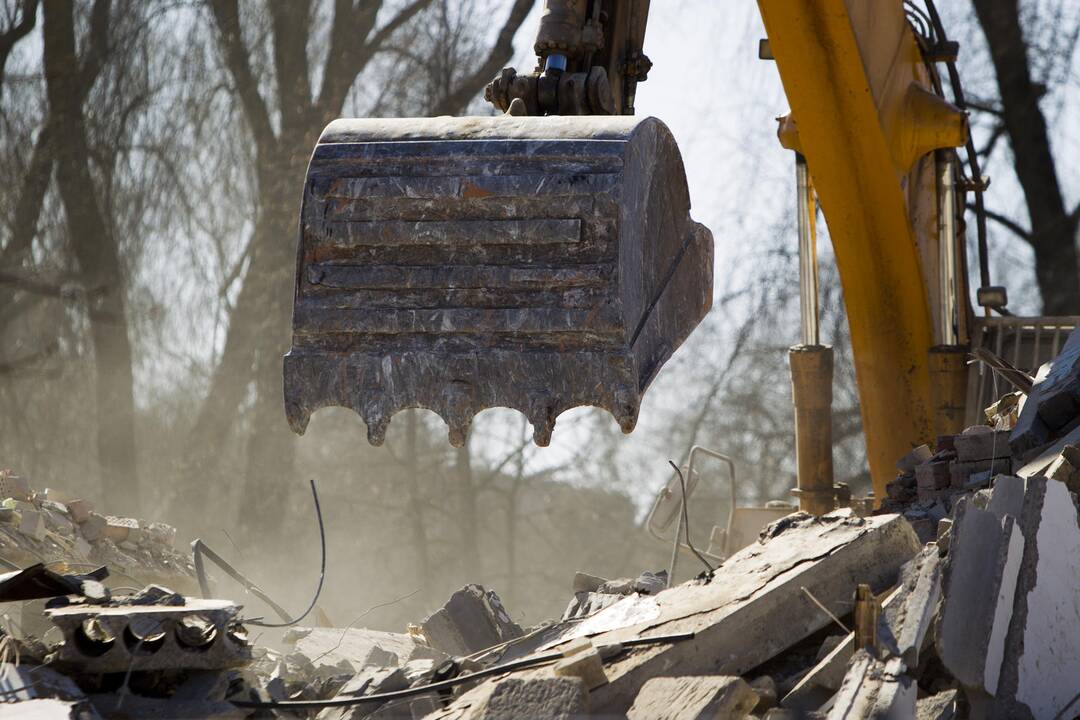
[811, 386]
[947, 250]
[808, 271]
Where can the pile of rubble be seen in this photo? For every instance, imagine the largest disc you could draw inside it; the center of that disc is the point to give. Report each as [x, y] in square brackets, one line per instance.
[54, 527]
[958, 598]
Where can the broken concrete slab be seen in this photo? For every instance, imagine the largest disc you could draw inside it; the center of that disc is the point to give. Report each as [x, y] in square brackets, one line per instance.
[875, 690]
[757, 604]
[693, 698]
[1030, 432]
[979, 582]
[907, 620]
[1041, 653]
[472, 619]
[201, 634]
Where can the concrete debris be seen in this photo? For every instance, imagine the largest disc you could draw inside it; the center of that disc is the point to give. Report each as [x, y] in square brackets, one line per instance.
[875, 690]
[53, 527]
[942, 706]
[350, 650]
[473, 619]
[592, 594]
[1041, 652]
[762, 600]
[980, 580]
[913, 459]
[563, 698]
[584, 664]
[693, 698]
[961, 589]
[980, 442]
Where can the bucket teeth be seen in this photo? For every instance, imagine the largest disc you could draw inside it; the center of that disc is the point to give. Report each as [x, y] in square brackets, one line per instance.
[458, 264]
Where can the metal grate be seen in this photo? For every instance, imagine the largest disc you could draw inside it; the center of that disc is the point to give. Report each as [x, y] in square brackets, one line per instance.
[1026, 342]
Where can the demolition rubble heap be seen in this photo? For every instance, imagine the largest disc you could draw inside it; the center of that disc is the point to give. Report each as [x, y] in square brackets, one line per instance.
[956, 599]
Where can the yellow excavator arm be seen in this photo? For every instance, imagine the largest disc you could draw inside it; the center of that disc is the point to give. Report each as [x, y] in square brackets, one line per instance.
[865, 116]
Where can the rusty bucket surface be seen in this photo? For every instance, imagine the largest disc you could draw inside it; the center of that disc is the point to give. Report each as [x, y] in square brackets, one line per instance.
[457, 264]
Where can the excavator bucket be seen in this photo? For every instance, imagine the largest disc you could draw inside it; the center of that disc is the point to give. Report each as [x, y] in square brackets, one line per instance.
[457, 264]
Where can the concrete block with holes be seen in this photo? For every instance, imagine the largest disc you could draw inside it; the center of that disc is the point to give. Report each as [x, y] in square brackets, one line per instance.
[200, 635]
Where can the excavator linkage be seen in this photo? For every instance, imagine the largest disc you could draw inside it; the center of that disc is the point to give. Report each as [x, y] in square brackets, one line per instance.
[458, 264]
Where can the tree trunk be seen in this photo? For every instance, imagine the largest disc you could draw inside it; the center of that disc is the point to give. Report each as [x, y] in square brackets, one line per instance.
[415, 504]
[98, 257]
[1053, 229]
[468, 517]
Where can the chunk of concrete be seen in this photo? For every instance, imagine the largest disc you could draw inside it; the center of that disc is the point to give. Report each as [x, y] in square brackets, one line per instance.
[937, 707]
[1041, 653]
[915, 457]
[586, 665]
[93, 528]
[875, 690]
[693, 698]
[982, 444]
[561, 698]
[472, 619]
[32, 525]
[979, 584]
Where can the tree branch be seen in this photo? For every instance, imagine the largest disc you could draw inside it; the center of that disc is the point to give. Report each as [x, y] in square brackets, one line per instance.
[227, 17]
[97, 46]
[291, 22]
[350, 28]
[19, 29]
[457, 99]
[353, 62]
[1005, 222]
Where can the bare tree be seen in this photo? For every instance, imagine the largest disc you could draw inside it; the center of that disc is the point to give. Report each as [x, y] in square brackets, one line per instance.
[1053, 225]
